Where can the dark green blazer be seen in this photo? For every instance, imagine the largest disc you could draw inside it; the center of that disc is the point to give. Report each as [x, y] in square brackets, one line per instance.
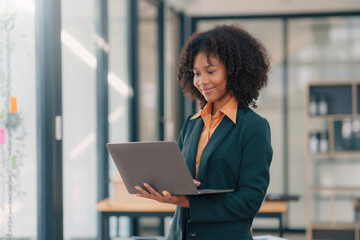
[237, 157]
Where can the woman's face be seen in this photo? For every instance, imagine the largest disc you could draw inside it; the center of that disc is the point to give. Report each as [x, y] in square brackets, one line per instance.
[210, 79]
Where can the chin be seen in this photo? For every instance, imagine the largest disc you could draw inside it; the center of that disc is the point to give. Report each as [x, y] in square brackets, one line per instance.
[208, 100]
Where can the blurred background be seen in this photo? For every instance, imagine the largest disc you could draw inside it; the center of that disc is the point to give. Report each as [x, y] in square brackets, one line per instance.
[83, 73]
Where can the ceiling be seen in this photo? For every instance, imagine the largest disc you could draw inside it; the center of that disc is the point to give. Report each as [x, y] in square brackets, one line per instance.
[247, 7]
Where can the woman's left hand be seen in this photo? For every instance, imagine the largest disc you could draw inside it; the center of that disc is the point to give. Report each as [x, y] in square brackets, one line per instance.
[165, 197]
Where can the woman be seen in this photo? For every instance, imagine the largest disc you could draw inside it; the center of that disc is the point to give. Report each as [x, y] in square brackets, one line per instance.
[226, 145]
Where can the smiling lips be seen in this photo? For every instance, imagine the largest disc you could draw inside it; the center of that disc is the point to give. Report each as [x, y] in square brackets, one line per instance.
[207, 90]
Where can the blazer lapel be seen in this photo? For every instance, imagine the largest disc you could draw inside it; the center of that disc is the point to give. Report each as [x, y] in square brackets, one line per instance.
[193, 144]
[215, 140]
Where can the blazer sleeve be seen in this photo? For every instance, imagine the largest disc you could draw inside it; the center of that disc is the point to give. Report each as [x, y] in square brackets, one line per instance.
[253, 180]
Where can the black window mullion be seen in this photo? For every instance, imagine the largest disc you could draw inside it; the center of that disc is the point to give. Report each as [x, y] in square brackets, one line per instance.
[49, 120]
[102, 108]
[161, 46]
[133, 66]
[181, 97]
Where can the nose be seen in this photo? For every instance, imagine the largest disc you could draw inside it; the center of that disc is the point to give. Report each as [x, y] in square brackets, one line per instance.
[203, 80]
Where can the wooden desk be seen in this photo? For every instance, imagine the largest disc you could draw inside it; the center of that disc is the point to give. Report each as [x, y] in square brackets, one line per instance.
[134, 208]
[139, 207]
[274, 209]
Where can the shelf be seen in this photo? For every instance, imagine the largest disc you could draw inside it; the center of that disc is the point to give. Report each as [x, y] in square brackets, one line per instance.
[336, 154]
[320, 155]
[338, 97]
[333, 116]
[333, 83]
[335, 226]
[340, 127]
[335, 189]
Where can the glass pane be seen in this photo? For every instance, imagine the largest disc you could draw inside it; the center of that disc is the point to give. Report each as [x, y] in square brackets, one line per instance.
[171, 87]
[18, 70]
[269, 32]
[148, 71]
[119, 89]
[338, 207]
[79, 121]
[119, 92]
[321, 50]
[331, 173]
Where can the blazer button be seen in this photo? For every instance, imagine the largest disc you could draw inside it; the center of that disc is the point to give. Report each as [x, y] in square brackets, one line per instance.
[192, 235]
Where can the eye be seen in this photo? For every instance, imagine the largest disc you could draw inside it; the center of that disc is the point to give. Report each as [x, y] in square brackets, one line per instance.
[196, 74]
[211, 72]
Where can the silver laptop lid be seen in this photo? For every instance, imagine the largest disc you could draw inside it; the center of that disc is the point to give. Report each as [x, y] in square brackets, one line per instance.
[160, 164]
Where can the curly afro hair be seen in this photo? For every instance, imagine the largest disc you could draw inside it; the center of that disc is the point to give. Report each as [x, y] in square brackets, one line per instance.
[245, 58]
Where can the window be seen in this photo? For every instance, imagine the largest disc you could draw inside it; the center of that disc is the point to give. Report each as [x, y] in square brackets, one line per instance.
[79, 119]
[322, 50]
[148, 71]
[20, 66]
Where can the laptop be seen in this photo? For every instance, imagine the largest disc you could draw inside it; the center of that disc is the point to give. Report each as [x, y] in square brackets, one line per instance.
[160, 164]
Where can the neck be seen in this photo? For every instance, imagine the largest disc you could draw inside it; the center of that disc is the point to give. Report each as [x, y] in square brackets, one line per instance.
[216, 106]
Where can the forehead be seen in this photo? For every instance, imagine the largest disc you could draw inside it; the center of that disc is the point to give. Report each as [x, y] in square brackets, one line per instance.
[203, 59]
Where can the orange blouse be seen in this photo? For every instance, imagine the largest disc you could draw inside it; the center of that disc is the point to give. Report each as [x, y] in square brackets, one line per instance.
[210, 123]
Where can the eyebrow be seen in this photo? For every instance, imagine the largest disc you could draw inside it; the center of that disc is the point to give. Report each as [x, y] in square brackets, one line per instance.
[208, 66]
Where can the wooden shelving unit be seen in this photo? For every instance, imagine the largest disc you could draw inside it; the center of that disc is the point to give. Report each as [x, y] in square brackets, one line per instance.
[343, 104]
